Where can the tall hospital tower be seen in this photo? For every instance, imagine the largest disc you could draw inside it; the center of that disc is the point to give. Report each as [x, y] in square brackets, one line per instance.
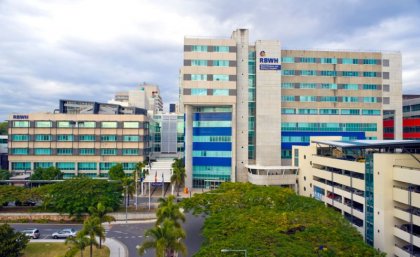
[246, 104]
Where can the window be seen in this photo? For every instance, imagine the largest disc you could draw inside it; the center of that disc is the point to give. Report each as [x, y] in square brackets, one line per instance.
[64, 124]
[106, 165]
[385, 75]
[221, 63]
[305, 98]
[220, 77]
[385, 88]
[43, 165]
[21, 124]
[350, 74]
[199, 77]
[18, 137]
[328, 111]
[370, 61]
[329, 60]
[370, 87]
[223, 92]
[132, 151]
[288, 72]
[371, 112]
[307, 60]
[350, 86]
[369, 99]
[287, 98]
[43, 124]
[199, 48]
[307, 85]
[287, 85]
[288, 110]
[64, 151]
[86, 166]
[129, 165]
[350, 99]
[212, 154]
[86, 151]
[212, 124]
[131, 138]
[385, 62]
[212, 138]
[109, 124]
[131, 124]
[42, 137]
[329, 73]
[221, 49]
[386, 100]
[42, 151]
[288, 59]
[349, 61]
[65, 165]
[308, 111]
[308, 73]
[296, 158]
[64, 137]
[328, 99]
[198, 62]
[369, 74]
[21, 165]
[20, 151]
[108, 138]
[108, 151]
[198, 91]
[87, 138]
[87, 124]
[329, 86]
[350, 111]
[286, 154]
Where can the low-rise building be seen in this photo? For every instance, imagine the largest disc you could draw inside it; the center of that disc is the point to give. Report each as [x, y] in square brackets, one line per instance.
[3, 152]
[374, 184]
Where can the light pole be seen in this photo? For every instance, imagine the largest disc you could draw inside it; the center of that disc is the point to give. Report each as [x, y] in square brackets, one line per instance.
[232, 250]
[126, 203]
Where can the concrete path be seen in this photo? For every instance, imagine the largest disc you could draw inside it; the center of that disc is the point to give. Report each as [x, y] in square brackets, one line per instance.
[116, 248]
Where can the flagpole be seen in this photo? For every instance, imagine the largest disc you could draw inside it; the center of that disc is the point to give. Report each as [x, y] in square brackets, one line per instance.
[163, 186]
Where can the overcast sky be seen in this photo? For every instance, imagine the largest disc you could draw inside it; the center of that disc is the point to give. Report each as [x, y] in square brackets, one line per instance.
[89, 49]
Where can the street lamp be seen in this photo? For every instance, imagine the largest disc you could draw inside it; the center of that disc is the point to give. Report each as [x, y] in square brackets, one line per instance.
[126, 203]
[232, 250]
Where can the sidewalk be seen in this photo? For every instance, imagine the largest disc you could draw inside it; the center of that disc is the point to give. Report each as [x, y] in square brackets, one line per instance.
[116, 248]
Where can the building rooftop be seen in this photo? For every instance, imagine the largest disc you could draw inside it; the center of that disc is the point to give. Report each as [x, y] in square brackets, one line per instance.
[360, 144]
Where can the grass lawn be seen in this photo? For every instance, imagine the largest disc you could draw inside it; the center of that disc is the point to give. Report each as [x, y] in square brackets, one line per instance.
[59, 249]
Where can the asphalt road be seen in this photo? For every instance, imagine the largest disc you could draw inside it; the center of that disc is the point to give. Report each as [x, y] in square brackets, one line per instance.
[129, 234]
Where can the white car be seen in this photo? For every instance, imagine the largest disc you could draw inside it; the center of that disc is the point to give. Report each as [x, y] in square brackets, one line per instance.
[32, 233]
[64, 233]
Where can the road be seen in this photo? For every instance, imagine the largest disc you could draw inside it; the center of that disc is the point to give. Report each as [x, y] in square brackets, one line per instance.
[129, 234]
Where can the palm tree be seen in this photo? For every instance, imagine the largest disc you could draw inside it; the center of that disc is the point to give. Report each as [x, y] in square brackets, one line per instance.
[178, 176]
[129, 183]
[101, 212]
[166, 239]
[140, 169]
[79, 243]
[92, 227]
[167, 209]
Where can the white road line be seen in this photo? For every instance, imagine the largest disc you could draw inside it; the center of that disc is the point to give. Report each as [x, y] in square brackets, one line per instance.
[127, 237]
[133, 237]
[140, 236]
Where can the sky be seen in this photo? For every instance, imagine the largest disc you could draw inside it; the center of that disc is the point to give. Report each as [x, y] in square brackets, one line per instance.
[90, 49]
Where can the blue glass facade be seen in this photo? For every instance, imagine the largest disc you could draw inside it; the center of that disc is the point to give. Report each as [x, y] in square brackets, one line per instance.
[211, 161]
[369, 205]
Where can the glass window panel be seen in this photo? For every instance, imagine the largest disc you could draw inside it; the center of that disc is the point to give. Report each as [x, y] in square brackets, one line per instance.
[21, 124]
[131, 124]
[109, 124]
[43, 124]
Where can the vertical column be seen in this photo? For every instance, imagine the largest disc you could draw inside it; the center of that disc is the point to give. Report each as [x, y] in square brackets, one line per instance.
[188, 145]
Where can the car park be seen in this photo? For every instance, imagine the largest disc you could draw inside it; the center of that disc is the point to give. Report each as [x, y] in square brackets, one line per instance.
[407, 228]
[413, 250]
[32, 233]
[64, 233]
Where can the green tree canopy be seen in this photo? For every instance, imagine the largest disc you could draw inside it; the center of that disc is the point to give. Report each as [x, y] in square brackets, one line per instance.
[50, 173]
[167, 209]
[178, 176]
[11, 243]
[75, 196]
[3, 128]
[14, 193]
[273, 221]
[116, 172]
[4, 174]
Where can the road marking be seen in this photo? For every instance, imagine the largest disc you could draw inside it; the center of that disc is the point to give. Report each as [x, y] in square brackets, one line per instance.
[133, 237]
[127, 237]
[45, 237]
[140, 236]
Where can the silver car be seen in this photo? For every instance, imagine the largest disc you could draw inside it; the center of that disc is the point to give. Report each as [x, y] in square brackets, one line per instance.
[32, 233]
[64, 233]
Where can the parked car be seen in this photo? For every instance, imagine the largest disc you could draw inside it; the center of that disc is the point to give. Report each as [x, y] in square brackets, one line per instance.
[25, 203]
[414, 250]
[407, 228]
[32, 233]
[64, 233]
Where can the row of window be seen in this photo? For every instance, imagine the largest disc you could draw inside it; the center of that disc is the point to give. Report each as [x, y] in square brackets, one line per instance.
[205, 48]
[212, 154]
[367, 112]
[71, 151]
[72, 165]
[213, 124]
[344, 99]
[218, 63]
[411, 129]
[203, 91]
[411, 108]
[330, 86]
[291, 59]
[333, 73]
[212, 77]
[82, 138]
[331, 126]
[212, 139]
[80, 124]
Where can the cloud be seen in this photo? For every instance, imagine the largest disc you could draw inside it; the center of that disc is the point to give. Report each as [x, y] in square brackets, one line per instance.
[89, 49]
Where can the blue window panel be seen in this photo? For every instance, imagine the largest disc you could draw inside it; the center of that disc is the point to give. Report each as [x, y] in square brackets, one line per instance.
[209, 161]
[212, 146]
[212, 116]
[212, 131]
[288, 145]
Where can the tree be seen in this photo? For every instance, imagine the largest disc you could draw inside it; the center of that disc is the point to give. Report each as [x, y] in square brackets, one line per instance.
[141, 170]
[178, 176]
[116, 172]
[4, 175]
[92, 228]
[167, 209]
[11, 243]
[78, 243]
[3, 128]
[129, 187]
[273, 221]
[101, 213]
[13, 193]
[75, 196]
[166, 239]
[50, 173]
